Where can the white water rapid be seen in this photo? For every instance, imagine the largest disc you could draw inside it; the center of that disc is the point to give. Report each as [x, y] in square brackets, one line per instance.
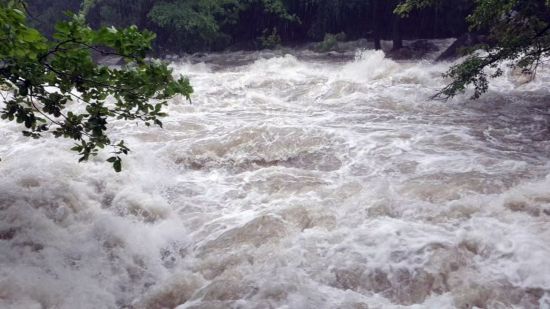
[291, 182]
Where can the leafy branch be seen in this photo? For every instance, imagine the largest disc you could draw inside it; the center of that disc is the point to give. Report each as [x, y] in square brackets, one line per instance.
[45, 75]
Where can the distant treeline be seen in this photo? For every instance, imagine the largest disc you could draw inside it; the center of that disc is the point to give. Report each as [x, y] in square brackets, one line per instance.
[199, 25]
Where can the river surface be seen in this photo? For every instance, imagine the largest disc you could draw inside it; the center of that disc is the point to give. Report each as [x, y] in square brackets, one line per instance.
[292, 181]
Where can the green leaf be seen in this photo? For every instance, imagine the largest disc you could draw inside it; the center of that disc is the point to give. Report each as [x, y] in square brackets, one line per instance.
[117, 165]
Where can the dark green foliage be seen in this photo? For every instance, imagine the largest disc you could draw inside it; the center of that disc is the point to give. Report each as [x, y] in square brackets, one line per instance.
[270, 40]
[45, 14]
[330, 42]
[193, 22]
[192, 25]
[334, 16]
[54, 84]
[195, 25]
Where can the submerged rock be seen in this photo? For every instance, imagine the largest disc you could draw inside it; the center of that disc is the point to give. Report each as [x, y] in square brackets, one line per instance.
[416, 50]
[256, 232]
[520, 76]
[467, 40]
[110, 60]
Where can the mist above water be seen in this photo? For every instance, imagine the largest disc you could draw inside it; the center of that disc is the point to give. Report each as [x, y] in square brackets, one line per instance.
[292, 181]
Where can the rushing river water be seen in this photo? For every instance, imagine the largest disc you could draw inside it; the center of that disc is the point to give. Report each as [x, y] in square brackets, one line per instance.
[292, 181]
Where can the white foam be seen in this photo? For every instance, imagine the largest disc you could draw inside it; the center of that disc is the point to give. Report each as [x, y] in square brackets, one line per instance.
[291, 183]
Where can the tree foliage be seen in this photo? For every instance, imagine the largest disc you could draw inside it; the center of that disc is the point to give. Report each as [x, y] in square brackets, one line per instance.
[198, 25]
[191, 25]
[519, 33]
[54, 85]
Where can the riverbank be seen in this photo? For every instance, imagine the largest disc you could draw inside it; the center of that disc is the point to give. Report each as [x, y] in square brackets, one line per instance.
[342, 52]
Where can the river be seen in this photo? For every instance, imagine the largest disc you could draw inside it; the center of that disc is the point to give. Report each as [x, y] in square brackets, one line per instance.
[292, 181]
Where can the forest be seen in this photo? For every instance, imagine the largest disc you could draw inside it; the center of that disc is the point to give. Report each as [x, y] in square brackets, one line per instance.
[213, 25]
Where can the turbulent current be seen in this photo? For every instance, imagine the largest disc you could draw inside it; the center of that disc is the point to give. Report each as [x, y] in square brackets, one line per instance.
[292, 181]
